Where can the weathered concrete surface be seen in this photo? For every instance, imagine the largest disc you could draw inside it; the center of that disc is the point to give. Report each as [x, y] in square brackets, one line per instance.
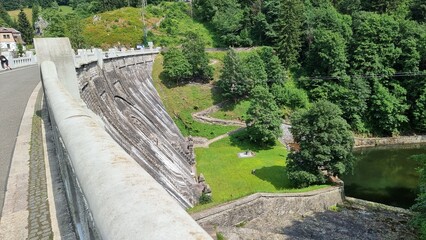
[298, 216]
[57, 50]
[122, 199]
[371, 142]
[123, 95]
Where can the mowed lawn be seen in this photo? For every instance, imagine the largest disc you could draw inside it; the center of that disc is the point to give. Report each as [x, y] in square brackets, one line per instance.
[230, 177]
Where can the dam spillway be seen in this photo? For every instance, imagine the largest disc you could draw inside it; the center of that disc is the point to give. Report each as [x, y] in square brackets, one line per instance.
[122, 94]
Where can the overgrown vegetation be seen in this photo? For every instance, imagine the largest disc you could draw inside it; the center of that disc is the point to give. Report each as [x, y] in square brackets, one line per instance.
[420, 206]
[183, 100]
[167, 25]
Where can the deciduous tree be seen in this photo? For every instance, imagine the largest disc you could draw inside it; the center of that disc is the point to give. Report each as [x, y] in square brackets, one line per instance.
[176, 66]
[325, 145]
[194, 51]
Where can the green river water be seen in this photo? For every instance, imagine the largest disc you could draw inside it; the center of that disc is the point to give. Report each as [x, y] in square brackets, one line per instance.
[385, 175]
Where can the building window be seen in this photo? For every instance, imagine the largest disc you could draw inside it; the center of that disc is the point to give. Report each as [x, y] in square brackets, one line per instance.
[8, 46]
[6, 36]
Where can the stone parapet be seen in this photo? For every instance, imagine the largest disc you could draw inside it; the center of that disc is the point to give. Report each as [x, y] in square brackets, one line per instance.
[279, 204]
[372, 142]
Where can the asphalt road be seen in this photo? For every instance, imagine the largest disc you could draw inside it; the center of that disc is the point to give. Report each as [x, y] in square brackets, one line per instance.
[16, 87]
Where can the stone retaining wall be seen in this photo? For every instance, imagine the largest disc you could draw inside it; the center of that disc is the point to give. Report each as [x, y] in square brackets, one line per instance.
[260, 204]
[371, 142]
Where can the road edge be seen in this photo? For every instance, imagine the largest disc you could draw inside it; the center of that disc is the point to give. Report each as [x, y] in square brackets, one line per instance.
[14, 219]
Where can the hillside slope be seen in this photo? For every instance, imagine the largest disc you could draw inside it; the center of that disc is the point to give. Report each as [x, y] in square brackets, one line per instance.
[167, 24]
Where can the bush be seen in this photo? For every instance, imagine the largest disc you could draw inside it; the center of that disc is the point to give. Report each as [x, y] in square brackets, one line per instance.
[301, 179]
[205, 198]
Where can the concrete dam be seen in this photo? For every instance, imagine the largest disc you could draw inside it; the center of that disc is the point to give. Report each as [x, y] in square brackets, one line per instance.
[127, 170]
[123, 95]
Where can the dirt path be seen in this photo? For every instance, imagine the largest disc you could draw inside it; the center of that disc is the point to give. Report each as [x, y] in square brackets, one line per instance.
[203, 116]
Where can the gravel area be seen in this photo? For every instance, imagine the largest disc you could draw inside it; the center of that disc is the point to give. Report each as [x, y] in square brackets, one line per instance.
[353, 220]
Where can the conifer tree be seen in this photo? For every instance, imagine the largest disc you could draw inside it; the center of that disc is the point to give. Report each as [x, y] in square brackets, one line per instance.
[232, 78]
[263, 117]
[25, 28]
[35, 12]
[5, 16]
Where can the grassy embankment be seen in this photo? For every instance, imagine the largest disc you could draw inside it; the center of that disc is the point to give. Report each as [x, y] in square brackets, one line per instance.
[14, 14]
[182, 100]
[229, 177]
[167, 24]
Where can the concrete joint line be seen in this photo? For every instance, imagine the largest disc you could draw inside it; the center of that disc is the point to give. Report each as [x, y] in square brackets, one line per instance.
[14, 221]
[49, 182]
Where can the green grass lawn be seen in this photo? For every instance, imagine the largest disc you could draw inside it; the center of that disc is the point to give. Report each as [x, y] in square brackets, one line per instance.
[167, 23]
[230, 177]
[233, 111]
[28, 11]
[14, 14]
[182, 100]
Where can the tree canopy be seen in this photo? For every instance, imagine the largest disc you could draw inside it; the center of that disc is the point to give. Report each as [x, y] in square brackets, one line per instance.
[325, 143]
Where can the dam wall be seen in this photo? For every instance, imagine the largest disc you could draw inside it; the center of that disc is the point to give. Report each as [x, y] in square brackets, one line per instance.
[122, 94]
[110, 194]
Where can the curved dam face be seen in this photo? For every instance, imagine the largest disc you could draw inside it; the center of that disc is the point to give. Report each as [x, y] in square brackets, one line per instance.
[123, 96]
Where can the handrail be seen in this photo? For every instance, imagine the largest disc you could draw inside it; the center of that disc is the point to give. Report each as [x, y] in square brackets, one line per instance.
[114, 197]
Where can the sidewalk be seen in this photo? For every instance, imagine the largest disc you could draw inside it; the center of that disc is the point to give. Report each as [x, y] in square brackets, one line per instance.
[29, 210]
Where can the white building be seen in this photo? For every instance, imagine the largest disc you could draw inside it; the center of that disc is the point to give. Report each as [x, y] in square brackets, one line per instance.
[9, 39]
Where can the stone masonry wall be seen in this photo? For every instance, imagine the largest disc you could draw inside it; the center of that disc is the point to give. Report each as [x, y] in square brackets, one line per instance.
[261, 204]
[371, 142]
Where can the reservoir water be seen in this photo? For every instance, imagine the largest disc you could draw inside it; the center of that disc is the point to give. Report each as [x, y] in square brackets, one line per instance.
[385, 174]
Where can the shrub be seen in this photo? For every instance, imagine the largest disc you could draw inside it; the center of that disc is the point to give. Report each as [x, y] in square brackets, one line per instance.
[205, 198]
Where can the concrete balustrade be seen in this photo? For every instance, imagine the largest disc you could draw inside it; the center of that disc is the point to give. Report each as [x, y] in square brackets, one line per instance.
[110, 196]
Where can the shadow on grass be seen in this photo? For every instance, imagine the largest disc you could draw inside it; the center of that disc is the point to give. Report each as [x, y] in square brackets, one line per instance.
[241, 140]
[276, 175]
[167, 82]
[216, 95]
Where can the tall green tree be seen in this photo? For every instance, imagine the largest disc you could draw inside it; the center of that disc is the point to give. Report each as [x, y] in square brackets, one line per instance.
[227, 21]
[254, 71]
[418, 10]
[5, 16]
[176, 66]
[288, 31]
[73, 30]
[374, 50]
[56, 23]
[327, 55]
[25, 27]
[387, 108]
[273, 66]
[325, 145]
[232, 77]
[263, 117]
[193, 48]
[420, 112]
[35, 10]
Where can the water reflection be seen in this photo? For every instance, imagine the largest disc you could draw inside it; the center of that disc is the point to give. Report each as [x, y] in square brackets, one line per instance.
[385, 174]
